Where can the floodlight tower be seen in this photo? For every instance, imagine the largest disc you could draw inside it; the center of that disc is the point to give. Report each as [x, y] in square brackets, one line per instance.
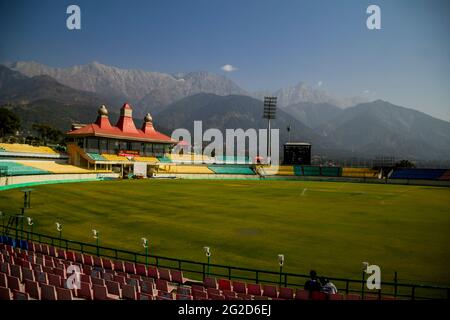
[270, 110]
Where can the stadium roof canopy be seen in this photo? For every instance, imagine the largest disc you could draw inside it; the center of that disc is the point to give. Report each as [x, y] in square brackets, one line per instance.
[125, 128]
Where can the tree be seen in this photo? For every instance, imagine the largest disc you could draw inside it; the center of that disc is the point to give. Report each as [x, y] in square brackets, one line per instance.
[47, 133]
[9, 122]
[405, 164]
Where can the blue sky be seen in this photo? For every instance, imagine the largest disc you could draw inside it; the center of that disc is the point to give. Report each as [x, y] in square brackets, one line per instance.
[272, 43]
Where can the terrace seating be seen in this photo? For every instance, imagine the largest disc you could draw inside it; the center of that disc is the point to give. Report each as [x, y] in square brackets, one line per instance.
[164, 159]
[26, 148]
[311, 171]
[114, 157]
[128, 281]
[445, 176]
[232, 160]
[146, 159]
[56, 167]
[184, 169]
[330, 171]
[359, 173]
[95, 156]
[426, 174]
[229, 169]
[17, 169]
[279, 171]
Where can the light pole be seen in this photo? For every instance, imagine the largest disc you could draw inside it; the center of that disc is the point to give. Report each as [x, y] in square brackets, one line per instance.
[30, 229]
[59, 227]
[3, 222]
[270, 109]
[96, 236]
[145, 245]
[281, 263]
[208, 255]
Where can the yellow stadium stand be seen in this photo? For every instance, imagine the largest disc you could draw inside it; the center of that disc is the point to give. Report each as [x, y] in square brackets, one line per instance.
[359, 173]
[189, 158]
[26, 148]
[114, 157]
[184, 169]
[55, 167]
[146, 159]
[282, 171]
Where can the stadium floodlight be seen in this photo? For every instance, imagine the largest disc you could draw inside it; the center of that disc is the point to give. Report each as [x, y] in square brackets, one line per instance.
[30, 223]
[145, 245]
[208, 255]
[270, 111]
[96, 235]
[281, 263]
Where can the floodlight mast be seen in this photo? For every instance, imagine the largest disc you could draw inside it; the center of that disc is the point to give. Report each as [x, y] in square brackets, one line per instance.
[270, 108]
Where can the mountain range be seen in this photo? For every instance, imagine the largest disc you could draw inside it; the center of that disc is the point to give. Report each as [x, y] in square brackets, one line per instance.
[62, 96]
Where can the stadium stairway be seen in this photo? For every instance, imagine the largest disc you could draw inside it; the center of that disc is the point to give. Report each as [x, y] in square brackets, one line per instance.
[40, 272]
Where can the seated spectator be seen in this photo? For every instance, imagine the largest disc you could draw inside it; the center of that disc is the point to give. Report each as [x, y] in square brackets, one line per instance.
[327, 286]
[313, 284]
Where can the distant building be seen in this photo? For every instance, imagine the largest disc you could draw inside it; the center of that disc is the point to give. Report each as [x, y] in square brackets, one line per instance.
[123, 147]
[297, 153]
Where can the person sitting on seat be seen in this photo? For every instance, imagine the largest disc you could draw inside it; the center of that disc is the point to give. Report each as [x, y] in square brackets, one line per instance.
[313, 284]
[327, 286]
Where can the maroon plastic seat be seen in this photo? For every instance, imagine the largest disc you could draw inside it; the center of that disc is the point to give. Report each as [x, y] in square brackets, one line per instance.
[129, 292]
[214, 296]
[118, 266]
[229, 295]
[98, 281]
[129, 267]
[31, 246]
[199, 295]
[244, 296]
[62, 254]
[101, 293]
[5, 268]
[371, 297]
[85, 291]
[152, 272]
[13, 283]
[52, 251]
[270, 291]
[45, 249]
[78, 257]
[107, 264]
[254, 289]
[144, 296]
[212, 291]
[85, 278]
[71, 256]
[317, 295]
[352, 296]
[119, 279]
[113, 288]
[183, 297]
[5, 293]
[16, 271]
[161, 284]
[55, 280]
[210, 282]
[3, 280]
[147, 286]
[88, 260]
[64, 294]
[177, 276]
[98, 262]
[239, 287]
[60, 272]
[141, 270]
[17, 295]
[301, 294]
[286, 293]
[224, 284]
[48, 292]
[165, 274]
[32, 288]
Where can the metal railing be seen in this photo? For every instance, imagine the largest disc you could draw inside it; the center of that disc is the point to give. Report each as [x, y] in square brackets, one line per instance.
[197, 271]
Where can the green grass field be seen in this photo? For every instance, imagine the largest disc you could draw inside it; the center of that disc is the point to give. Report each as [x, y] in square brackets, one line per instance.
[328, 226]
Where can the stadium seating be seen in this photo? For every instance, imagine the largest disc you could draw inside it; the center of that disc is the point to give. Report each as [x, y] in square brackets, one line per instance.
[184, 169]
[311, 171]
[231, 169]
[146, 159]
[427, 174]
[359, 173]
[279, 171]
[55, 167]
[114, 157]
[16, 169]
[26, 148]
[445, 176]
[232, 160]
[95, 156]
[164, 159]
[330, 171]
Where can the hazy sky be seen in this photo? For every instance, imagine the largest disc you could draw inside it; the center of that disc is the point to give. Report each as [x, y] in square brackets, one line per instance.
[268, 44]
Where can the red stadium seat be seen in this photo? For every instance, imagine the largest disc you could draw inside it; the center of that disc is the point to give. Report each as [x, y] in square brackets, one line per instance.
[5, 294]
[270, 291]
[183, 297]
[239, 287]
[213, 296]
[147, 286]
[113, 288]
[13, 283]
[32, 288]
[55, 280]
[199, 295]
[129, 292]
[107, 264]
[224, 284]
[62, 254]
[88, 260]
[301, 294]
[119, 279]
[129, 267]
[64, 294]
[79, 257]
[316, 295]
[152, 272]
[3, 280]
[336, 296]
[254, 289]
[165, 274]
[352, 296]
[98, 281]
[210, 282]
[85, 291]
[212, 291]
[70, 256]
[52, 251]
[48, 292]
[141, 270]
[118, 266]
[162, 285]
[16, 271]
[244, 296]
[177, 276]
[286, 293]
[371, 297]
[144, 296]
[17, 295]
